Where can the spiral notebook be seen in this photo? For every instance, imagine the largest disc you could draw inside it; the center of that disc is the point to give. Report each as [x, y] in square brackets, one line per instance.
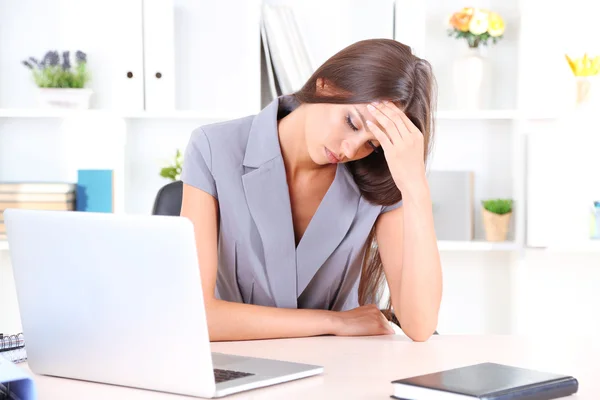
[12, 348]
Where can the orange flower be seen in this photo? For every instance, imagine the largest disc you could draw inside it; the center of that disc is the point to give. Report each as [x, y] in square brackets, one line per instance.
[460, 20]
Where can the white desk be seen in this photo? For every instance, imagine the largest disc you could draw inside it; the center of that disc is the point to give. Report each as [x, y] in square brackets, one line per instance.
[362, 368]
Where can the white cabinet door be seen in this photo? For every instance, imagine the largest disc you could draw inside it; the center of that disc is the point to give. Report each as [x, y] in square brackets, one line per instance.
[159, 55]
[110, 32]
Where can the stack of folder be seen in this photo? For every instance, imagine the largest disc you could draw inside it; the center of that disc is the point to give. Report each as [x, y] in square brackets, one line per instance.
[37, 196]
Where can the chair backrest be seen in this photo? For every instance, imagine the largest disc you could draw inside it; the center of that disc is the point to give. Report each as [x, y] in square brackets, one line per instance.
[168, 199]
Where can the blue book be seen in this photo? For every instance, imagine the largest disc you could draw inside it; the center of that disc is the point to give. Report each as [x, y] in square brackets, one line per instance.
[95, 190]
[15, 383]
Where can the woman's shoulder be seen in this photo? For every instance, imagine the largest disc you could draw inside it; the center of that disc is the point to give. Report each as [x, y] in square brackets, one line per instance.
[222, 142]
[225, 133]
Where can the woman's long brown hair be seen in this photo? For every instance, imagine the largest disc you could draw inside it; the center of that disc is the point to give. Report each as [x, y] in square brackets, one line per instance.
[367, 71]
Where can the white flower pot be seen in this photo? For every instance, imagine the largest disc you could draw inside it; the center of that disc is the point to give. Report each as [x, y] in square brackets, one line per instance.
[64, 98]
[586, 96]
[469, 73]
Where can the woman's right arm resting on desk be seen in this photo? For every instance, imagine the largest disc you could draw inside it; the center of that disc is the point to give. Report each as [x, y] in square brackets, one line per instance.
[237, 321]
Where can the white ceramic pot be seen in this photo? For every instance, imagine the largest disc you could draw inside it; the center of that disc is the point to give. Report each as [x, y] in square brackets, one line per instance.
[64, 98]
[469, 73]
[586, 96]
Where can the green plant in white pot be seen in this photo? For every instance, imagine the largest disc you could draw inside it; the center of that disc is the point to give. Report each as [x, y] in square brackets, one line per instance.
[61, 79]
[496, 218]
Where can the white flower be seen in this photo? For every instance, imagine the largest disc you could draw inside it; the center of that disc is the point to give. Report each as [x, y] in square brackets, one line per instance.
[478, 23]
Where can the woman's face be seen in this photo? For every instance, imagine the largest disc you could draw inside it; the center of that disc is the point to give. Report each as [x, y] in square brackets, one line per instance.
[338, 132]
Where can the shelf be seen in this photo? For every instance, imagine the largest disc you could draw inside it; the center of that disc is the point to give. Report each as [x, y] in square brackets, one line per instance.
[491, 115]
[447, 245]
[589, 246]
[65, 113]
[199, 115]
[46, 113]
[179, 114]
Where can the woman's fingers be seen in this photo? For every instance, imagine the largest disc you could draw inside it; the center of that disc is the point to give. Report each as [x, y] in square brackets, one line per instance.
[385, 121]
[407, 124]
[380, 135]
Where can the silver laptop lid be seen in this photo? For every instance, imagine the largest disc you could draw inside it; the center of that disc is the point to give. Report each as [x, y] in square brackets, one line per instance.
[111, 298]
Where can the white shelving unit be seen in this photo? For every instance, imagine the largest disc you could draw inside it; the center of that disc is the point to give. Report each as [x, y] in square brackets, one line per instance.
[204, 80]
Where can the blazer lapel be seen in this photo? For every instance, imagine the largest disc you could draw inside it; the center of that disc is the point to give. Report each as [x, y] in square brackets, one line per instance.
[267, 196]
[328, 227]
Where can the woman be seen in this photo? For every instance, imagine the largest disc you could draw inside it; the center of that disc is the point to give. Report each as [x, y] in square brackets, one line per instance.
[287, 204]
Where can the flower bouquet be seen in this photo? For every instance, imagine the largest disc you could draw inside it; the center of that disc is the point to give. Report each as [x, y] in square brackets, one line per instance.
[476, 25]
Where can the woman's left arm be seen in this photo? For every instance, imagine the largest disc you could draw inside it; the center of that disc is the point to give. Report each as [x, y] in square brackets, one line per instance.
[406, 235]
[410, 258]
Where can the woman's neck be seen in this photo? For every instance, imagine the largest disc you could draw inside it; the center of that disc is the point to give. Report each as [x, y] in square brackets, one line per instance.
[292, 140]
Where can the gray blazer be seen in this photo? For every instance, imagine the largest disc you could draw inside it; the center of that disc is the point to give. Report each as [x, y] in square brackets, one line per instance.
[239, 162]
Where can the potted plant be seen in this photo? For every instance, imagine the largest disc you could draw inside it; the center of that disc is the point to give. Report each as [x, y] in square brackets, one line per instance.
[477, 26]
[586, 70]
[60, 80]
[173, 171]
[496, 218]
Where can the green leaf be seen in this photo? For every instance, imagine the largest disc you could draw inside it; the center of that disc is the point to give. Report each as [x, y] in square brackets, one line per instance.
[173, 171]
[498, 206]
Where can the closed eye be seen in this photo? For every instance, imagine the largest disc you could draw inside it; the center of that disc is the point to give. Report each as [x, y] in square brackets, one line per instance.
[350, 124]
[354, 128]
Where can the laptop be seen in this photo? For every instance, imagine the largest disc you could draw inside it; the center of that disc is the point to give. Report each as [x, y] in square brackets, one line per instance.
[117, 299]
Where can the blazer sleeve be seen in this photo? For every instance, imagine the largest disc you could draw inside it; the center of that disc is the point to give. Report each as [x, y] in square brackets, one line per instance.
[390, 208]
[196, 169]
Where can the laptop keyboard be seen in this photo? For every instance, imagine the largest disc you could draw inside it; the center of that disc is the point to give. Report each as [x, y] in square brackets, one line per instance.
[224, 375]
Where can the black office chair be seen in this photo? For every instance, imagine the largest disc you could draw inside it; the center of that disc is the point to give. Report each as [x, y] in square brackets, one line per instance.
[168, 199]
[168, 202]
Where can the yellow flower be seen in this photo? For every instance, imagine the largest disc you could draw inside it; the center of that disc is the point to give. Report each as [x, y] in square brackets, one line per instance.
[478, 23]
[495, 25]
[584, 66]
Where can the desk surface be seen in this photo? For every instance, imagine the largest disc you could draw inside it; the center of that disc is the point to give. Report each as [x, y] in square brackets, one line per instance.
[363, 367]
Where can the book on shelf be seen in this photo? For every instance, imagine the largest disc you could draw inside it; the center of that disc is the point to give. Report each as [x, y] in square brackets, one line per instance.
[452, 195]
[286, 57]
[35, 196]
[95, 190]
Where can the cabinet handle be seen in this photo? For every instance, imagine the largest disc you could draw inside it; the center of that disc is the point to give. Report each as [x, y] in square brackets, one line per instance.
[130, 74]
[158, 75]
